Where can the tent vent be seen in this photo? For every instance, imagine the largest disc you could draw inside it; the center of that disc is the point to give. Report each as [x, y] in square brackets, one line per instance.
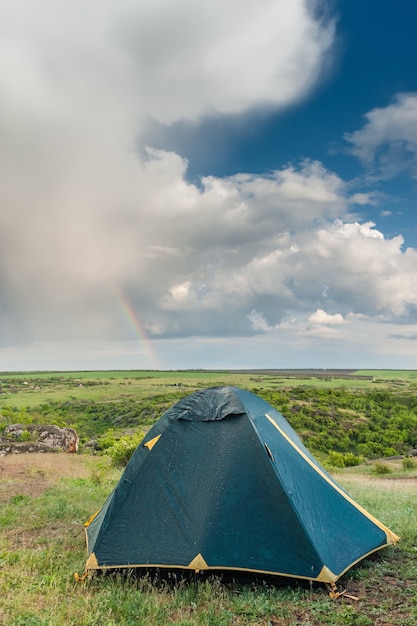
[271, 456]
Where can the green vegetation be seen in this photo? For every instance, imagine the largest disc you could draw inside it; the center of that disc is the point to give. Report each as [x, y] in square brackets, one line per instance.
[42, 545]
[381, 468]
[359, 415]
[350, 420]
[409, 463]
[120, 449]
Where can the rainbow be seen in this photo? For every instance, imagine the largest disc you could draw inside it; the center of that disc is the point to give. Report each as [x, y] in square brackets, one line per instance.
[137, 327]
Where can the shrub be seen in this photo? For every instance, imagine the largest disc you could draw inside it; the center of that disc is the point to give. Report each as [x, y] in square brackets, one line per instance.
[25, 436]
[351, 459]
[336, 459]
[107, 440]
[122, 449]
[409, 463]
[381, 468]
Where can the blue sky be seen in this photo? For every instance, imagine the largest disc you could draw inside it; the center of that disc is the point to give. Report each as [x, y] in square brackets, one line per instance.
[223, 185]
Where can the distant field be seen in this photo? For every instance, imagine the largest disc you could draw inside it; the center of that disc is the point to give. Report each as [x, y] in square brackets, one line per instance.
[389, 374]
[30, 389]
[367, 413]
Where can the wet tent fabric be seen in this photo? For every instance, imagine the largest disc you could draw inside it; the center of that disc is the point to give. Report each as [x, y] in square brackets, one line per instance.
[222, 482]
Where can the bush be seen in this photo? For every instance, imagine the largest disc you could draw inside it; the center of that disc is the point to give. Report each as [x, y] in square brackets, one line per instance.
[107, 440]
[25, 436]
[351, 459]
[338, 459]
[381, 469]
[409, 463]
[123, 448]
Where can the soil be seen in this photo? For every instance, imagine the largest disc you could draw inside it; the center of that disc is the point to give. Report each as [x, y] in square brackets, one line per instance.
[33, 474]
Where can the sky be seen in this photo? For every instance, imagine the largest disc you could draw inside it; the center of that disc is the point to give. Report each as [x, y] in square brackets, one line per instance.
[220, 185]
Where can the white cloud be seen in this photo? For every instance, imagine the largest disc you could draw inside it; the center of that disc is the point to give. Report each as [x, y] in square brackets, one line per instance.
[388, 140]
[234, 257]
[195, 58]
[321, 317]
[258, 321]
[362, 269]
[364, 198]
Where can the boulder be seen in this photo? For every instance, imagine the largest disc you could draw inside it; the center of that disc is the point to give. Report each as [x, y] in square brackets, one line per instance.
[22, 447]
[50, 436]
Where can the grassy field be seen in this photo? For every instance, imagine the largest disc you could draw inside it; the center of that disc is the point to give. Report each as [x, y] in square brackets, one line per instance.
[45, 499]
[30, 389]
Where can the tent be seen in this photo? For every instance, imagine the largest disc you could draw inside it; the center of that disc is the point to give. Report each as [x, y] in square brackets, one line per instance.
[222, 482]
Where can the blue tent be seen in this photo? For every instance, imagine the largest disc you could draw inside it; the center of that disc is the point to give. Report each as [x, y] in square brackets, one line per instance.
[222, 482]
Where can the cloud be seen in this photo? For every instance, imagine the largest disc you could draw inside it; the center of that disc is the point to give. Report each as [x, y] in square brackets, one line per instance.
[258, 321]
[90, 226]
[234, 257]
[404, 337]
[321, 317]
[363, 271]
[84, 214]
[388, 140]
[364, 198]
[197, 58]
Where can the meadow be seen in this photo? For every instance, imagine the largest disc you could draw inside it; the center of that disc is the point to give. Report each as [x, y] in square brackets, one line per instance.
[45, 499]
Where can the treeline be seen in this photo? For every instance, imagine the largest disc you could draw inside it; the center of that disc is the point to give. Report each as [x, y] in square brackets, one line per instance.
[367, 424]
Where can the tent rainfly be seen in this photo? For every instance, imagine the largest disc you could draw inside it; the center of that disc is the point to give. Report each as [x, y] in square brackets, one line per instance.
[222, 482]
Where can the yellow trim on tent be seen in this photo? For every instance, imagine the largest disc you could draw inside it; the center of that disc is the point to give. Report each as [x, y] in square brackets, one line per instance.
[391, 537]
[323, 576]
[92, 562]
[150, 444]
[198, 563]
[88, 522]
[326, 575]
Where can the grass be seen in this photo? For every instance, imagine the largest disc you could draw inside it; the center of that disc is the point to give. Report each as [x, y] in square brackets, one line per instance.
[45, 498]
[31, 389]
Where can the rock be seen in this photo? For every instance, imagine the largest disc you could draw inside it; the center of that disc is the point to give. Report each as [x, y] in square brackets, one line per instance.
[50, 436]
[23, 447]
[92, 444]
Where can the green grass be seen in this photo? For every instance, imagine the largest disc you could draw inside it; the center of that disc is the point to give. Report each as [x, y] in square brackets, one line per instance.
[41, 534]
[389, 374]
[32, 389]
[42, 545]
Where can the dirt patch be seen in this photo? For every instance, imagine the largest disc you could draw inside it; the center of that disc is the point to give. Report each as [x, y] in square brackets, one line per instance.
[34, 474]
[389, 484]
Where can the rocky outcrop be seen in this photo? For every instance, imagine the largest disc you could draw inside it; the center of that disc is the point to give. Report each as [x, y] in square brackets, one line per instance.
[22, 447]
[20, 438]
